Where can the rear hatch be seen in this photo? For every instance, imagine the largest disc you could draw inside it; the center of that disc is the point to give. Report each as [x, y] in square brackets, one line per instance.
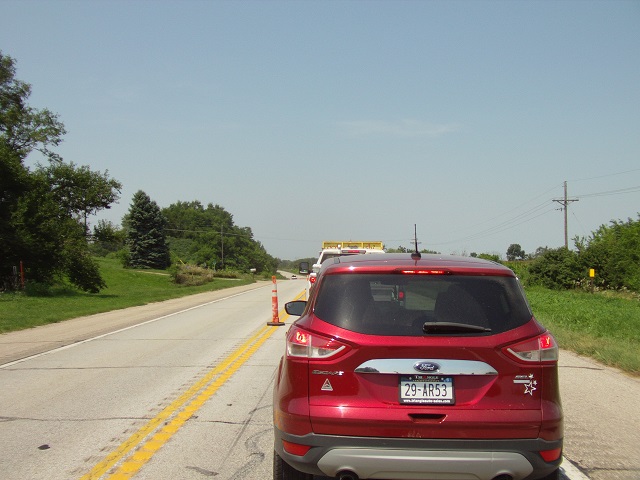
[426, 356]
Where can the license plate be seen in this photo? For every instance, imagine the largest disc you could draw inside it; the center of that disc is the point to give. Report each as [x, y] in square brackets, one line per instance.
[426, 390]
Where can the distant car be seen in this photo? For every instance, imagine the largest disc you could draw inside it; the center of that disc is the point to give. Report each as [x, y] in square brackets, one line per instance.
[402, 367]
[293, 277]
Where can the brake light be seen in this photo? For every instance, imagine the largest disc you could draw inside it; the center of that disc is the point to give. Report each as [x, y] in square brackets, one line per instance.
[312, 279]
[353, 252]
[303, 344]
[422, 271]
[542, 348]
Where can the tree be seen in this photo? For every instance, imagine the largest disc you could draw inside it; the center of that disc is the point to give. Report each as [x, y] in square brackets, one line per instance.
[514, 252]
[145, 226]
[80, 191]
[22, 128]
[107, 238]
[39, 210]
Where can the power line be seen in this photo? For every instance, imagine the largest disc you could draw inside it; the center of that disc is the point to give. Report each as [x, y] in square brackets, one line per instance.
[495, 230]
[607, 175]
[612, 192]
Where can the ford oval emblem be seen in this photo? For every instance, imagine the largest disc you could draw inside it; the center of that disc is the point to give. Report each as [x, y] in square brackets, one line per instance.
[426, 367]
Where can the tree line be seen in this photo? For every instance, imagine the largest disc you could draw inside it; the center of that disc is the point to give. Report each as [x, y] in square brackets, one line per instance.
[183, 233]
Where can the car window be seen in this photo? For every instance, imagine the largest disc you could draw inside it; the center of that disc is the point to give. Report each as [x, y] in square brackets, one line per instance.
[395, 304]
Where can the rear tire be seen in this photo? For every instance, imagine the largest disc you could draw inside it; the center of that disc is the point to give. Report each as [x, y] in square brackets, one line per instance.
[283, 471]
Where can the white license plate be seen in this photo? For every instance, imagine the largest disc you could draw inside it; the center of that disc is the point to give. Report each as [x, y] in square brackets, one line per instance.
[426, 390]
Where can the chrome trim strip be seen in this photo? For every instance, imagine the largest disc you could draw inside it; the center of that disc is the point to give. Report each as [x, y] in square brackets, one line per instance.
[404, 366]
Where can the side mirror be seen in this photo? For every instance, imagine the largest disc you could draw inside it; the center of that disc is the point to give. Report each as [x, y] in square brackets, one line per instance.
[295, 308]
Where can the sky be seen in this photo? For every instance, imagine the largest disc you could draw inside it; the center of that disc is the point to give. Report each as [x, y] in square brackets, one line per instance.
[350, 120]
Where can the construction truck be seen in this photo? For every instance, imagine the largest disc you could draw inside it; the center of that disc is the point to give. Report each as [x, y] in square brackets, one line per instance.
[331, 249]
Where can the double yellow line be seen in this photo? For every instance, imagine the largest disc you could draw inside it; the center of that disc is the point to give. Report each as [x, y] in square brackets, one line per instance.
[138, 449]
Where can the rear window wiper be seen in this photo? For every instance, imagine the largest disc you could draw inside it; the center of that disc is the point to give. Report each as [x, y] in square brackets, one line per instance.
[452, 327]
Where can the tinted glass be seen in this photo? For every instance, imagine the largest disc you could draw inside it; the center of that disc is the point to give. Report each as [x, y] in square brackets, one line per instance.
[395, 304]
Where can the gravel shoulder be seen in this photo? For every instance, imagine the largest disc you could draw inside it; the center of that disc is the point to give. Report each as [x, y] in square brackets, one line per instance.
[602, 418]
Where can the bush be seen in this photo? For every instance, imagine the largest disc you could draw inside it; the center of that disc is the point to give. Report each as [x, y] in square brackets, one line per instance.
[556, 269]
[614, 252]
[191, 275]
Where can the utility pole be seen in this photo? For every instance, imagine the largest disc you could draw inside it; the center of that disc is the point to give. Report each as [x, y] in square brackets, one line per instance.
[564, 202]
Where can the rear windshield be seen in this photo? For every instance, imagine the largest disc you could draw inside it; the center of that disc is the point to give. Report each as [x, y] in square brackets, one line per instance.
[395, 304]
[327, 256]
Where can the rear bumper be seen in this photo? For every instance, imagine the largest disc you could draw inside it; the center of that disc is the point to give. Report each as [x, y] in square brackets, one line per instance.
[409, 458]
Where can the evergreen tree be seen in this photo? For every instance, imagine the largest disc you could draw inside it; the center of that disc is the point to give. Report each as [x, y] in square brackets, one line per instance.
[146, 234]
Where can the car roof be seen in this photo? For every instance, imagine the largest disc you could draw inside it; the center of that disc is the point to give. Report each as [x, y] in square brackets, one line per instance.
[390, 262]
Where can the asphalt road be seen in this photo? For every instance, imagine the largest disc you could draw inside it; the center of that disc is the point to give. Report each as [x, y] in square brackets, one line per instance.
[79, 397]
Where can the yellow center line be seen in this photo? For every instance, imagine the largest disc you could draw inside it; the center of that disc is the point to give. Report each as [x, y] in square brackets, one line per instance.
[172, 417]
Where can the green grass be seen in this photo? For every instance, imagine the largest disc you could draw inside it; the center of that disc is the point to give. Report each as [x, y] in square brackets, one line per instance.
[125, 288]
[603, 325]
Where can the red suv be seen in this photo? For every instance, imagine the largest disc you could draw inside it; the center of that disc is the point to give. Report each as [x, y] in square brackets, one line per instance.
[403, 367]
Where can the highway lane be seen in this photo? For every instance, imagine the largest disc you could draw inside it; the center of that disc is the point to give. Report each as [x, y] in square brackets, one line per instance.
[81, 411]
[64, 413]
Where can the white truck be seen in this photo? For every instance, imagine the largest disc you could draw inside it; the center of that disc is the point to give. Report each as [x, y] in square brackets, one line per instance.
[331, 249]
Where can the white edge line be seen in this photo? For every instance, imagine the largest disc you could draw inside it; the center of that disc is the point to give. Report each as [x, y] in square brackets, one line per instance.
[75, 344]
[571, 471]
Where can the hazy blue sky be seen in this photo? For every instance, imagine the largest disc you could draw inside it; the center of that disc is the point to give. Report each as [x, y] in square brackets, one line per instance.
[328, 120]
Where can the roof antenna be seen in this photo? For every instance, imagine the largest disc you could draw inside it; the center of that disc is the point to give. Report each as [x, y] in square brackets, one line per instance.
[415, 255]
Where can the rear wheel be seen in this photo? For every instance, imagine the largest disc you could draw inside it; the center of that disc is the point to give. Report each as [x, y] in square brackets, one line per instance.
[283, 471]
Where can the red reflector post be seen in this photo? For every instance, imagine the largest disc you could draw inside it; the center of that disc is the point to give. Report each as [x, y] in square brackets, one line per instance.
[295, 448]
[551, 455]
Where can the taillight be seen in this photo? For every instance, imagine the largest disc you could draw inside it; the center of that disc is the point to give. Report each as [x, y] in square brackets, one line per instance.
[312, 278]
[303, 344]
[540, 349]
[551, 455]
[295, 448]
